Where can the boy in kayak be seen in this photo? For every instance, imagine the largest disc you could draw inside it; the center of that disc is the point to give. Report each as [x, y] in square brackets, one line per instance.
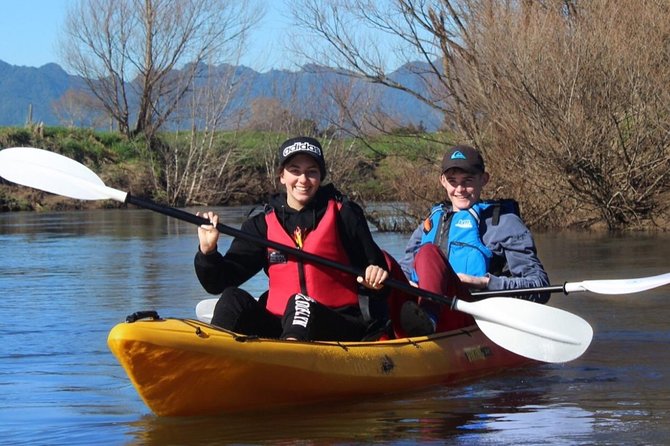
[485, 242]
[305, 301]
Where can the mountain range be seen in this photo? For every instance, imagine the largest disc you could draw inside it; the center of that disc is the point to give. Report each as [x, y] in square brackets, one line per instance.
[28, 93]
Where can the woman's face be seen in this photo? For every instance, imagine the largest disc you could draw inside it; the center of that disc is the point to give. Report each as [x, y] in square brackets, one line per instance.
[302, 178]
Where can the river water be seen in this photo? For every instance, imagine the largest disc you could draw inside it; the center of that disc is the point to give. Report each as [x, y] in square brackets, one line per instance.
[67, 278]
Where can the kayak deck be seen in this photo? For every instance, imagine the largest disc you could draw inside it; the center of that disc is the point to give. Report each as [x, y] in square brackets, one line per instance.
[186, 367]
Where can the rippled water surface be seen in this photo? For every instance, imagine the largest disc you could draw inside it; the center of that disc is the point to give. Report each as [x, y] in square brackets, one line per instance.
[67, 278]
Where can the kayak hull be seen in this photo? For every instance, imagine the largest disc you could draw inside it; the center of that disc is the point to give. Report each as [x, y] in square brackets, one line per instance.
[185, 367]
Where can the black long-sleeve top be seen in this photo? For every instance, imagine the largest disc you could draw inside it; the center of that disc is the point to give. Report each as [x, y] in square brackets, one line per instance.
[246, 258]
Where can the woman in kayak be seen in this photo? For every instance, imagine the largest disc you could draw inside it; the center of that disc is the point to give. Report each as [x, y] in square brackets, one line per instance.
[305, 301]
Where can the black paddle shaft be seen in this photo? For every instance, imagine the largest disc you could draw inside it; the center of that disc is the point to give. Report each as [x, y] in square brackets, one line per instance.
[520, 291]
[192, 218]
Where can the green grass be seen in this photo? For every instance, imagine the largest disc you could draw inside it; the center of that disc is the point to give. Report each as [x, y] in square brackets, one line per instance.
[123, 162]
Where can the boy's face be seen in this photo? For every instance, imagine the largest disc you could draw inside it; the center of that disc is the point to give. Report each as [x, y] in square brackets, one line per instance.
[463, 188]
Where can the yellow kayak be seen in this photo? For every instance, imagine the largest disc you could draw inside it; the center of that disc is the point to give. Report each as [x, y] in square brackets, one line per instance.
[186, 367]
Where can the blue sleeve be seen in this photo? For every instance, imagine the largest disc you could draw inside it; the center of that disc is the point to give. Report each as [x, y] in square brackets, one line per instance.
[407, 261]
[512, 239]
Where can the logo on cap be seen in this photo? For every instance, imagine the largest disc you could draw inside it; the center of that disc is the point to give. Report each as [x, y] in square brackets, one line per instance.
[301, 147]
[458, 155]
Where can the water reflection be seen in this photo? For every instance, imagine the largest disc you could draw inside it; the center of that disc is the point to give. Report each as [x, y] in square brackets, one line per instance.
[432, 416]
[554, 424]
[437, 416]
[67, 278]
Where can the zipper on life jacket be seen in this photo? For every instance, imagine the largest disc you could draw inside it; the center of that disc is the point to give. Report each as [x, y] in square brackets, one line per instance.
[299, 241]
[301, 277]
[466, 245]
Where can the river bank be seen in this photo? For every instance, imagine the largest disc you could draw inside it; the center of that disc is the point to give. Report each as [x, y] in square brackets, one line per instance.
[239, 169]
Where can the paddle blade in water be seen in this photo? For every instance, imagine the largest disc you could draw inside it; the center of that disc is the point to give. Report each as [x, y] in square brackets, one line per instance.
[529, 329]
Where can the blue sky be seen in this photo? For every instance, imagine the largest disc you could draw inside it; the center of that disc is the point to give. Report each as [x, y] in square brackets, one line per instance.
[29, 30]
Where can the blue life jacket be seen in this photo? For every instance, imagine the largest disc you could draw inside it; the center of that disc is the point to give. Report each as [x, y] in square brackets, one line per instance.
[464, 247]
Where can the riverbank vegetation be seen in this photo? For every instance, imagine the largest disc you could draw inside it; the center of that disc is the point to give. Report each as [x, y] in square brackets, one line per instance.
[568, 101]
[232, 168]
[239, 169]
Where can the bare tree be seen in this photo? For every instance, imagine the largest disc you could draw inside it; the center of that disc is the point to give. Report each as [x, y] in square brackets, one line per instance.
[267, 114]
[370, 39]
[570, 96]
[196, 166]
[140, 57]
[76, 108]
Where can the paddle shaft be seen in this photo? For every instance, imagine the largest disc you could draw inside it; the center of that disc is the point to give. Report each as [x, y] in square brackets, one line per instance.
[520, 291]
[393, 283]
[536, 331]
[192, 218]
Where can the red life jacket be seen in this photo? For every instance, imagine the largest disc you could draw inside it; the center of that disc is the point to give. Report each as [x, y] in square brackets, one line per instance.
[289, 275]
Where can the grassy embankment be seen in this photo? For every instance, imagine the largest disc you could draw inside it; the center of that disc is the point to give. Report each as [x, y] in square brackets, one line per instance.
[364, 171]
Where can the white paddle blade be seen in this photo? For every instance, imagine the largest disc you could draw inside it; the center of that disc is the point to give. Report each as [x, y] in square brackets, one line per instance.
[51, 172]
[205, 310]
[529, 329]
[619, 286]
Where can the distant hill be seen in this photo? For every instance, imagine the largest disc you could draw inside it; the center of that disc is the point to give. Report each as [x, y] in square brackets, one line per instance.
[22, 87]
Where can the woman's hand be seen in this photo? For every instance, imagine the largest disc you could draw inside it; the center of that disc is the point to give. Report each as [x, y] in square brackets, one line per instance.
[208, 235]
[374, 277]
